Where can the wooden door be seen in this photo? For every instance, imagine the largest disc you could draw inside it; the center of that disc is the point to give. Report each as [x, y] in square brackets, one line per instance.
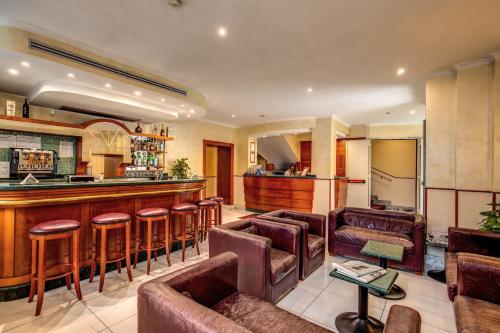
[305, 154]
[111, 165]
[358, 172]
[224, 173]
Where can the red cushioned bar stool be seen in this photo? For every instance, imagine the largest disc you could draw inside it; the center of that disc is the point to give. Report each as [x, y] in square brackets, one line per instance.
[105, 223]
[39, 235]
[208, 216]
[151, 216]
[218, 211]
[183, 210]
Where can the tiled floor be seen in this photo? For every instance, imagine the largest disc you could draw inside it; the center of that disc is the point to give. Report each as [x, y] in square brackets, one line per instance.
[320, 299]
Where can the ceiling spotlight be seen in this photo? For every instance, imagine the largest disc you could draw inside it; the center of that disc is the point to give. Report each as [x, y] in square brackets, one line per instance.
[137, 93]
[107, 85]
[401, 71]
[412, 111]
[222, 32]
[264, 136]
[71, 75]
[233, 116]
[309, 90]
[189, 116]
[182, 105]
[191, 111]
[13, 71]
[163, 99]
[25, 64]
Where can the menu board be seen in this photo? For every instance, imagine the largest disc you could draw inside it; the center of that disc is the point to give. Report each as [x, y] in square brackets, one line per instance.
[8, 141]
[65, 149]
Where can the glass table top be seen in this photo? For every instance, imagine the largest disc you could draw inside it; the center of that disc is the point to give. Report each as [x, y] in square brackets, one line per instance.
[383, 250]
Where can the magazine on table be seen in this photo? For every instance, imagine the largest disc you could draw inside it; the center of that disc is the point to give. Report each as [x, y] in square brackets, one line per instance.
[359, 270]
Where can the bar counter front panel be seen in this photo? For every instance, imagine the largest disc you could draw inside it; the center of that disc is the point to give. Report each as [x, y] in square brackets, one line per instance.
[267, 193]
[21, 207]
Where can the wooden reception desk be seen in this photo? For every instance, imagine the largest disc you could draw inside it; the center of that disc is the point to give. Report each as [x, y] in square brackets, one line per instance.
[267, 193]
[23, 206]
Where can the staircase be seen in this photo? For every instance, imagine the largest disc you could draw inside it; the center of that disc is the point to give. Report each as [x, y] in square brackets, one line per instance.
[376, 203]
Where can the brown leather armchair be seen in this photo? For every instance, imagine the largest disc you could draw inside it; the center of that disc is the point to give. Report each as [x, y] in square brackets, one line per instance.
[268, 255]
[205, 298]
[470, 241]
[349, 229]
[312, 236]
[477, 304]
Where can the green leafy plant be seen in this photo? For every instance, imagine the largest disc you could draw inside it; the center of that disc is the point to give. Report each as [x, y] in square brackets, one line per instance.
[180, 168]
[491, 220]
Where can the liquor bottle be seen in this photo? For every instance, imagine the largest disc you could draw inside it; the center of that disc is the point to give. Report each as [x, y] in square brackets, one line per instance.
[162, 131]
[138, 129]
[26, 109]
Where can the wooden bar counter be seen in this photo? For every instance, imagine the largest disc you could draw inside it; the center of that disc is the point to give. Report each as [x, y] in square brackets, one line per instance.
[23, 206]
[267, 193]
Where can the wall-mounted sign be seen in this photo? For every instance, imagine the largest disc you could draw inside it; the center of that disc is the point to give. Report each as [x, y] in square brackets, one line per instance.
[10, 109]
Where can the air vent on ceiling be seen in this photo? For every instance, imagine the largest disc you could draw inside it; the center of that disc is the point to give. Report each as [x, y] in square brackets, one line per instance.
[82, 60]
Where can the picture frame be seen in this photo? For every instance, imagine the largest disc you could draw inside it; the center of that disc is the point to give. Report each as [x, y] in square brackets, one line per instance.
[252, 157]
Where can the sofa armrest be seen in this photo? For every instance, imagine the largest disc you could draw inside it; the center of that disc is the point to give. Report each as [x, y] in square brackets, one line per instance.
[419, 234]
[473, 241]
[162, 309]
[253, 257]
[207, 282]
[479, 277]
[284, 237]
[316, 222]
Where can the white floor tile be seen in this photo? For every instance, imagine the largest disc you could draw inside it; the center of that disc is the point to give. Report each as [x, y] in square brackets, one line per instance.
[320, 278]
[299, 298]
[128, 325]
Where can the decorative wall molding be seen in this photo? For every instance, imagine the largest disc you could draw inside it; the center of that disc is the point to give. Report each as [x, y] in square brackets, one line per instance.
[473, 63]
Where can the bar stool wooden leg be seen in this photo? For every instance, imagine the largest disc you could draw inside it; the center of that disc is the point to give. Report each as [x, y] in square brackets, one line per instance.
[102, 271]
[33, 270]
[67, 262]
[41, 275]
[183, 226]
[155, 238]
[148, 246]
[94, 254]
[167, 239]
[119, 248]
[127, 251]
[137, 241]
[76, 264]
[196, 224]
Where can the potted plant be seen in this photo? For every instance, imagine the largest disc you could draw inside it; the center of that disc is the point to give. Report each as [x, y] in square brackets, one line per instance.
[180, 168]
[491, 221]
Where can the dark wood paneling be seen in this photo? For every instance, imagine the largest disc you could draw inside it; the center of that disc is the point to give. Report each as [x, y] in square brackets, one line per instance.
[341, 158]
[306, 154]
[341, 192]
[224, 173]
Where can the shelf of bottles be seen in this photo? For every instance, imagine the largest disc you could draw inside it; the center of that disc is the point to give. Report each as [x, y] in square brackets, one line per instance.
[147, 152]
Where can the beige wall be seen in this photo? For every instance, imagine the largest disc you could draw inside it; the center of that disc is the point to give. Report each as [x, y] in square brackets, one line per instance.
[395, 157]
[211, 171]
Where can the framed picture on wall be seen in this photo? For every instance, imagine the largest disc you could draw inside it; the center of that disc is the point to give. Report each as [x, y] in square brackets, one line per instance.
[252, 157]
[252, 147]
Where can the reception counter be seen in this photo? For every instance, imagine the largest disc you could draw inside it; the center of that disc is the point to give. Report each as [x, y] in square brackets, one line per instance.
[23, 206]
[267, 193]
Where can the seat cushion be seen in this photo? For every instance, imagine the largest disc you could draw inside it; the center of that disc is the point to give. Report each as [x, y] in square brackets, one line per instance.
[260, 316]
[282, 263]
[206, 203]
[474, 315]
[182, 207]
[152, 212]
[315, 244]
[450, 264]
[359, 236]
[54, 227]
[402, 319]
[216, 199]
[111, 218]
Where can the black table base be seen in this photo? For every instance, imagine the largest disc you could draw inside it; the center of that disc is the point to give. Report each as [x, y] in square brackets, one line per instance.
[360, 322]
[438, 275]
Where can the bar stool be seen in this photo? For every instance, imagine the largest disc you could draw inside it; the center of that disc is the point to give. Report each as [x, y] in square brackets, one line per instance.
[183, 210]
[105, 223]
[220, 201]
[151, 216]
[208, 214]
[39, 235]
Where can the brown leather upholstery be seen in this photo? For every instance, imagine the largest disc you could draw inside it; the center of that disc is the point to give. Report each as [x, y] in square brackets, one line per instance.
[256, 241]
[111, 218]
[350, 228]
[216, 199]
[473, 315]
[402, 319]
[312, 236]
[54, 227]
[206, 203]
[205, 298]
[152, 212]
[471, 242]
[182, 207]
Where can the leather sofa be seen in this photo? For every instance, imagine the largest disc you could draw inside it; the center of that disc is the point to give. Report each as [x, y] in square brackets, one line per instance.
[477, 303]
[471, 242]
[349, 229]
[312, 236]
[268, 255]
[205, 298]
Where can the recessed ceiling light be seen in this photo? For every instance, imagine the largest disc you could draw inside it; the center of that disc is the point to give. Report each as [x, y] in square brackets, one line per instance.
[13, 71]
[182, 105]
[401, 71]
[412, 111]
[25, 64]
[163, 99]
[295, 133]
[222, 32]
[233, 116]
[137, 93]
[262, 116]
[264, 136]
[189, 116]
[71, 75]
[107, 85]
[309, 90]
[191, 111]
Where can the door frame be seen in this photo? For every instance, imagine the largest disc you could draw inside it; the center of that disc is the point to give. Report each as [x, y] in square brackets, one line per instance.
[211, 143]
